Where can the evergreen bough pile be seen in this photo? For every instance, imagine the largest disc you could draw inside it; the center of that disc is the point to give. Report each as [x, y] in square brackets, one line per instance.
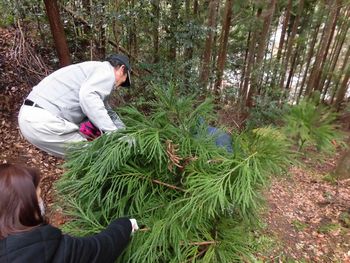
[195, 201]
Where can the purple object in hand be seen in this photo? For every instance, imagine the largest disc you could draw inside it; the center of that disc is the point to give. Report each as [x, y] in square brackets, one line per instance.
[89, 130]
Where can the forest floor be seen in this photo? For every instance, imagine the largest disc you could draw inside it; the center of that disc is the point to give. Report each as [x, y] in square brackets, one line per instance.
[307, 217]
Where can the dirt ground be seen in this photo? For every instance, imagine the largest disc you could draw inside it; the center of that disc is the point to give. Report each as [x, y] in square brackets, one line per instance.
[308, 215]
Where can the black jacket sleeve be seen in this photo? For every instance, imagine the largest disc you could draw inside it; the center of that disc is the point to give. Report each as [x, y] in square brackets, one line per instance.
[103, 247]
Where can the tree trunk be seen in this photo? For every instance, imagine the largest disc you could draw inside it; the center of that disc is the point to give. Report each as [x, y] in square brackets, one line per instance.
[335, 56]
[241, 84]
[318, 85]
[291, 40]
[292, 68]
[309, 58]
[204, 73]
[133, 48]
[317, 67]
[267, 16]
[226, 25]
[343, 68]
[188, 54]
[175, 9]
[155, 29]
[251, 58]
[117, 31]
[343, 89]
[284, 29]
[100, 52]
[57, 32]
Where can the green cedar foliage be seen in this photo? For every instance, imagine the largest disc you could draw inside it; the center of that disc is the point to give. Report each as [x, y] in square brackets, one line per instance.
[195, 201]
[313, 125]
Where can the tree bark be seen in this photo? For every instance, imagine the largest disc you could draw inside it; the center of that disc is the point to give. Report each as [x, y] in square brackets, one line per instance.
[335, 56]
[58, 32]
[292, 68]
[343, 89]
[226, 25]
[116, 27]
[291, 40]
[204, 73]
[343, 68]
[309, 58]
[250, 63]
[241, 84]
[175, 9]
[267, 16]
[155, 29]
[188, 54]
[284, 29]
[318, 85]
[317, 67]
[133, 48]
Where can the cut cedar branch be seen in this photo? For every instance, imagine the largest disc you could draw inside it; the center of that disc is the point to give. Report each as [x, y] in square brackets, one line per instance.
[196, 201]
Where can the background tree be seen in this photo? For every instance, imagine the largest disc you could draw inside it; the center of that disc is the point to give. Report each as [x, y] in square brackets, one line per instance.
[226, 25]
[211, 24]
[58, 32]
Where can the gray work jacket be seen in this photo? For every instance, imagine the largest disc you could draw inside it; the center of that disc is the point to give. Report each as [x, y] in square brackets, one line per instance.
[80, 91]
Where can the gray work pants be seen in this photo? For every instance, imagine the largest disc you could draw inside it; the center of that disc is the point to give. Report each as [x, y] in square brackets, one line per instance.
[46, 131]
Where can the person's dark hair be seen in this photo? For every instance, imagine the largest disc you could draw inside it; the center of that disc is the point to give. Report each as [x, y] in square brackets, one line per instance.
[116, 62]
[19, 207]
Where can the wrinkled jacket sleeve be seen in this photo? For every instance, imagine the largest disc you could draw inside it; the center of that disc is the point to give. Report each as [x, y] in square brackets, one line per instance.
[115, 118]
[104, 247]
[93, 94]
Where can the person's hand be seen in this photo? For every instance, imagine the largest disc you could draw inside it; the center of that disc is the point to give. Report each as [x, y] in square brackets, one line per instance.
[134, 225]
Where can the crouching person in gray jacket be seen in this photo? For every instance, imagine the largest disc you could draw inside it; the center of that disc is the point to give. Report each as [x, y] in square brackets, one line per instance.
[53, 111]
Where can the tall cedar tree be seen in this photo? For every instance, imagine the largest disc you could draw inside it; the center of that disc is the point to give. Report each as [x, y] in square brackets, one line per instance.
[57, 32]
[322, 52]
[226, 25]
[290, 42]
[155, 29]
[342, 33]
[262, 43]
[205, 63]
[250, 60]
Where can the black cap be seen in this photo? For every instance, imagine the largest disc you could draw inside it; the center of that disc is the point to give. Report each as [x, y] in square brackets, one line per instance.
[120, 59]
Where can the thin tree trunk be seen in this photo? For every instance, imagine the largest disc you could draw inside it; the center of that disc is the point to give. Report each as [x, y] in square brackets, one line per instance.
[317, 67]
[188, 54]
[260, 53]
[342, 36]
[226, 25]
[309, 57]
[175, 8]
[101, 40]
[291, 42]
[345, 64]
[251, 58]
[204, 74]
[343, 89]
[284, 29]
[292, 68]
[301, 66]
[241, 92]
[268, 78]
[132, 40]
[155, 29]
[115, 27]
[58, 32]
[334, 24]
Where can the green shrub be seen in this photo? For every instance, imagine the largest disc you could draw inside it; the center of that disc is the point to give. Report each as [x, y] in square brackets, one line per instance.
[312, 125]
